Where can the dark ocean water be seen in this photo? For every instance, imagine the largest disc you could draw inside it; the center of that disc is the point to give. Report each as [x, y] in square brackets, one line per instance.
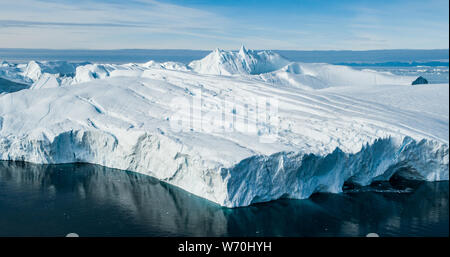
[91, 200]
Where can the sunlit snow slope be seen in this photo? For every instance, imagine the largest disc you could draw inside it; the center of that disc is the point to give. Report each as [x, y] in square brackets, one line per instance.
[202, 126]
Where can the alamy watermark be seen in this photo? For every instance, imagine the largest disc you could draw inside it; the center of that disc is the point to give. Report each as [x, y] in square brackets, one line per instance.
[252, 116]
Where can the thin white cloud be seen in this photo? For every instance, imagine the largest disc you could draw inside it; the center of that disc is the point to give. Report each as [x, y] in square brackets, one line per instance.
[56, 19]
[111, 24]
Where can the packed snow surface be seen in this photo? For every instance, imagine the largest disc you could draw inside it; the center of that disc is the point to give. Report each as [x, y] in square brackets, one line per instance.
[234, 127]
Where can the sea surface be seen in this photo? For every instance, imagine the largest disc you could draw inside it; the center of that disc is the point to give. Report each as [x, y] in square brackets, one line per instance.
[91, 200]
[431, 64]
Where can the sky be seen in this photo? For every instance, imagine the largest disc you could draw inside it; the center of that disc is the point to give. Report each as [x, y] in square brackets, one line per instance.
[225, 24]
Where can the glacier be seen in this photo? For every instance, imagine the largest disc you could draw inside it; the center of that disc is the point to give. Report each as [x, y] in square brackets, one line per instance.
[236, 127]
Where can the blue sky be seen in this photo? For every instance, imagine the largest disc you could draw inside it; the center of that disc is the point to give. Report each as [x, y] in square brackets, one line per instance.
[227, 24]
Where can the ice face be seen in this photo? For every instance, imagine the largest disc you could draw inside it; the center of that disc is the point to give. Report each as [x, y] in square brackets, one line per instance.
[276, 136]
[245, 61]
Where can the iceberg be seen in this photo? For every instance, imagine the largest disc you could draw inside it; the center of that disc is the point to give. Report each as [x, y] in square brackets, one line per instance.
[236, 128]
[322, 75]
[37, 74]
[221, 62]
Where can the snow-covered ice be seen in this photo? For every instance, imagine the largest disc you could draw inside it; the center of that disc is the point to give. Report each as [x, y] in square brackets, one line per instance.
[234, 127]
[221, 62]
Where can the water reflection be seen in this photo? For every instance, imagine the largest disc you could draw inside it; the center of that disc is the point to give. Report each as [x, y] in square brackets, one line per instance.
[91, 200]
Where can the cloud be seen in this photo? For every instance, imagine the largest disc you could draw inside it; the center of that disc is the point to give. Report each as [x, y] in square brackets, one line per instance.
[106, 24]
[103, 24]
[23, 23]
[145, 13]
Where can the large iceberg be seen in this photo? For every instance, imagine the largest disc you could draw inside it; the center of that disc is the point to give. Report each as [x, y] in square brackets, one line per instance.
[235, 127]
[221, 62]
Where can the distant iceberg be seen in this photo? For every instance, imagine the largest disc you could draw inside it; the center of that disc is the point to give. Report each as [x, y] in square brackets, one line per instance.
[221, 62]
[266, 66]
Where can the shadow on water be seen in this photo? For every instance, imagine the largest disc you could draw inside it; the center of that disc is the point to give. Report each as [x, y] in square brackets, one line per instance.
[91, 200]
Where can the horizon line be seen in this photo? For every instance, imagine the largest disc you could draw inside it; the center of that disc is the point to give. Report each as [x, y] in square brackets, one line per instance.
[186, 49]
